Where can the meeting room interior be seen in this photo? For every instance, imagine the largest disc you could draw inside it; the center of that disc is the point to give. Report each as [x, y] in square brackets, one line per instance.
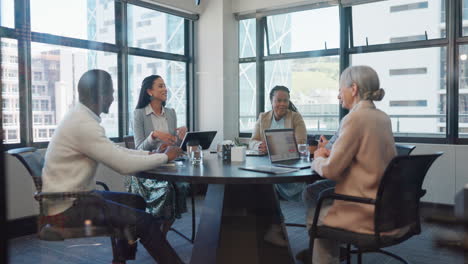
[98, 96]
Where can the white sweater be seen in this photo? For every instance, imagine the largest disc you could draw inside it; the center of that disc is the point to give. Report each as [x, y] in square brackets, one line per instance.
[78, 144]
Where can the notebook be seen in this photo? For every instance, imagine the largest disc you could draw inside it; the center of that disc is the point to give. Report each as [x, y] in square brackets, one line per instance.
[268, 169]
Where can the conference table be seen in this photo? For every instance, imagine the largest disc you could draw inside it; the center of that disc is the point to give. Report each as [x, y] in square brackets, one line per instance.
[238, 208]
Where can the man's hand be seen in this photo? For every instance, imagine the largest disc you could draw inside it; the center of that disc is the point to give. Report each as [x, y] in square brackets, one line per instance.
[323, 141]
[162, 148]
[321, 152]
[165, 137]
[262, 147]
[172, 152]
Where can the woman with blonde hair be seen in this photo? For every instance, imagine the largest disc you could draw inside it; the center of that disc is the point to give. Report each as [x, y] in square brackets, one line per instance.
[356, 161]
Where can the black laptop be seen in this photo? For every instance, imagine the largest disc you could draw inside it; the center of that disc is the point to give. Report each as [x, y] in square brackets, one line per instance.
[282, 149]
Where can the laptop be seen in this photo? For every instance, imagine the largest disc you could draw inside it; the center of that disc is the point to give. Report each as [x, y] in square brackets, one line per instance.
[203, 137]
[282, 149]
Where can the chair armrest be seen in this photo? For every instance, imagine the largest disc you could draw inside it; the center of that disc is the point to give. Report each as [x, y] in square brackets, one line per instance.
[103, 185]
[63, 195]
[330, 194]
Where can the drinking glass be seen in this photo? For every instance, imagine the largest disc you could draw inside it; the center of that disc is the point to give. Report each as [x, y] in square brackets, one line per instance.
[303, 151]
[195, 154]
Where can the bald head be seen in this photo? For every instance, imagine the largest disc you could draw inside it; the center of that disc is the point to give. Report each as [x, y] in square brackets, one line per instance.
[95, 90]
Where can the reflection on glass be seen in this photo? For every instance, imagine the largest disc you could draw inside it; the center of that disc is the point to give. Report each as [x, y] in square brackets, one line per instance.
[91, 20]
[10, 94]
[463, 92]
[7, 13]
[149, 29]
[415, 89]
[398, 21]
[55, 72]
[247, 97]
[247, 38]
[174, 75]
[303, 31]
[313, 83]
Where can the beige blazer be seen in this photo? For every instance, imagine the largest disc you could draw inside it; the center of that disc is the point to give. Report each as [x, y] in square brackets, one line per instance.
[357, 161]
[292, 120]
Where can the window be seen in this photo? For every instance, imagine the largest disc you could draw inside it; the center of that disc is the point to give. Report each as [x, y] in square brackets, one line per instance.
[308, 42]
[37, 119]
[370, 19]
[409, 71]
[8, 119]
[59, 53]
[37, 76]
[7, 12]
[302, 31]
[408, 103]
[408, 85]
[12, 135]
[42, 133]
[143, 23]
[407, 7]
[247, 97]
[407, 38]
[463, 92]
[169, 31]
[57, 87]
[47, 119]
[9, 87]
[87, 19]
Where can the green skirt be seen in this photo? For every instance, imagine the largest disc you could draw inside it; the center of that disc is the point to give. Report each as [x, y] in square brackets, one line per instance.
[164, 200]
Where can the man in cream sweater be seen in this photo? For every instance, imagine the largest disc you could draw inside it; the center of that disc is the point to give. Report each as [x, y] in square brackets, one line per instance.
[78, 145]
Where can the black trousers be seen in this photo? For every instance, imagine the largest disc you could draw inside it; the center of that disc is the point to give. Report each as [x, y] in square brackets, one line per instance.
[123, 210]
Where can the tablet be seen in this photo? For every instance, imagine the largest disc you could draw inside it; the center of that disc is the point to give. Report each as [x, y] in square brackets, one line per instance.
[204, 138]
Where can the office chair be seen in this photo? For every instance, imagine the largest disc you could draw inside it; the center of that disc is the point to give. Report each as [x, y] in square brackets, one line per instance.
[404, 150]
[130, 144]
[52, 229]
[396, 207]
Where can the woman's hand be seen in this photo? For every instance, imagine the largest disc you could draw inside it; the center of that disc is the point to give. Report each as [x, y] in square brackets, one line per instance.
[323, 141]
[164, 137]
[262, 147]
[321, 152]
[180, 132]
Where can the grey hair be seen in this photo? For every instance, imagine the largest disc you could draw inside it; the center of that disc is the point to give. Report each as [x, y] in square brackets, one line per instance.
[366, 80]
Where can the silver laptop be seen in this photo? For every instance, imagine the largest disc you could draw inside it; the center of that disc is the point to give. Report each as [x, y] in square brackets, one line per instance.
[282, 149]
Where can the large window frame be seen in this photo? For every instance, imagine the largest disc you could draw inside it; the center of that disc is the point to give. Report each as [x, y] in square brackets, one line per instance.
[452, 41]
[24, 36]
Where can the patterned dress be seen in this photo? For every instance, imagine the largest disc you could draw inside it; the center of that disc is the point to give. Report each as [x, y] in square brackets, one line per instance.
[164, 200]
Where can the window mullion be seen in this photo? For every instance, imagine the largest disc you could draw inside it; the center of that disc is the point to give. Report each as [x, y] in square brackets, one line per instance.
[122, 67]
[23, 28]
[260, 63]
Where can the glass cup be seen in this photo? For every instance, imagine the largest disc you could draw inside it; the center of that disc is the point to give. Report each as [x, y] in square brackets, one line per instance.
[195, 154]
[303, 151]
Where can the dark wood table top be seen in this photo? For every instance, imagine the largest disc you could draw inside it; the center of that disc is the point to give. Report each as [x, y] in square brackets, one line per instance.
[215, 171]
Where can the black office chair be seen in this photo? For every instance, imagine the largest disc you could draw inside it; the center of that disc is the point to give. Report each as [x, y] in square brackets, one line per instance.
[404, 150]
[51, 229]
[396, 206]
[130, 144]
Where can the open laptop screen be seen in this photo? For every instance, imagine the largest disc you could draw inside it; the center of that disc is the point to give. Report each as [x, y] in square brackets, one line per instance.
[281, 144]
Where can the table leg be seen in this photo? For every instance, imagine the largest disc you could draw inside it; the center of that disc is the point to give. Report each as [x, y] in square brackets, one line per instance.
[233, 223]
